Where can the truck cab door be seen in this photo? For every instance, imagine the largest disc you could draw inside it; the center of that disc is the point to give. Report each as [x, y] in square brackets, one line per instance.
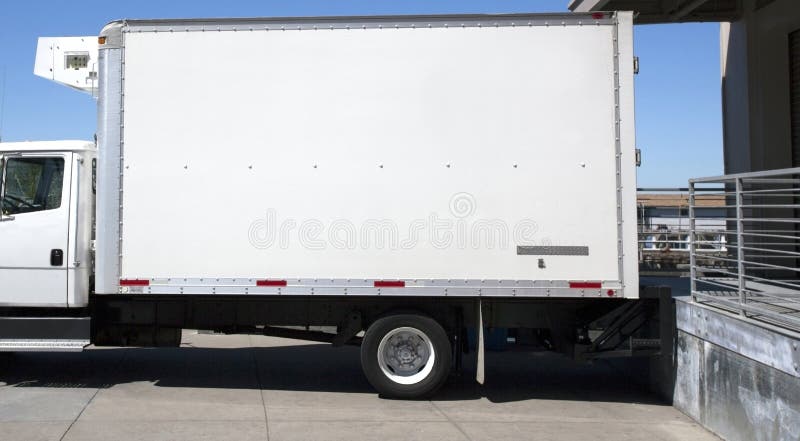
[34, 228]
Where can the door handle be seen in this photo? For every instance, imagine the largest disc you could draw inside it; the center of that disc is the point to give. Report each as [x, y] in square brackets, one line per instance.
[56, 257]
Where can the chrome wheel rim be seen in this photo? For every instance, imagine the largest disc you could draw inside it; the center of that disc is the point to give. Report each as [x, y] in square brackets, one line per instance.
[406, 355]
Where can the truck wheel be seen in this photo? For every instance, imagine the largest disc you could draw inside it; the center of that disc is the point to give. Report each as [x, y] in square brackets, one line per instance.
[406, 356]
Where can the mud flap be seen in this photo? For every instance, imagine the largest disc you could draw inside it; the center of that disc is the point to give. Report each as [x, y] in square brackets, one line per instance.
[479, 369]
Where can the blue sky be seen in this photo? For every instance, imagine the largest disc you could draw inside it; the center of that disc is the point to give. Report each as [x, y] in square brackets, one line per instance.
[678, 108]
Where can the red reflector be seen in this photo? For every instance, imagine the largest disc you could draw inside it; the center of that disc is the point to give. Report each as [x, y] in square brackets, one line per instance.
[585, 285]
[390, 284]
[610, 293]
[270, 283]
[598, 15]
[134, 282]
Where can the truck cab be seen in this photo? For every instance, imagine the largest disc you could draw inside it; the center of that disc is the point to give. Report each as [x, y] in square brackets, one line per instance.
[47, 200]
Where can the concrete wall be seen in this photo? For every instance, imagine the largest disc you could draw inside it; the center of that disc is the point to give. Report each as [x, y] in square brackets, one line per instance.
[739, 380]
[755, 86]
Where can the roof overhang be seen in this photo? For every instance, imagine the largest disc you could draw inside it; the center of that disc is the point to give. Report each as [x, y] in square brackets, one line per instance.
[668, 11]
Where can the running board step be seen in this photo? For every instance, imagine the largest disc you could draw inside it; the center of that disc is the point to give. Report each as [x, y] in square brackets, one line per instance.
[43, 345]
[44, 333]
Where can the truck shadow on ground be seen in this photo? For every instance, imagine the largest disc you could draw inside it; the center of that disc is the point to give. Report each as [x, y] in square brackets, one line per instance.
[511, 376]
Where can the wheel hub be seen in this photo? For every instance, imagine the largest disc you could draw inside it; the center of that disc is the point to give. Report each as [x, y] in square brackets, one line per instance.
[405, 355]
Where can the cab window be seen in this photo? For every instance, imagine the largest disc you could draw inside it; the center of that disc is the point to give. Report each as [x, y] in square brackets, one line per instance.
[32, 184]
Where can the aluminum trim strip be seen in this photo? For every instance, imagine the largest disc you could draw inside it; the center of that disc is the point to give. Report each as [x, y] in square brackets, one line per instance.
[361, 282]
[108, 202]
[618, 152]
[365, 22]
[365, 287]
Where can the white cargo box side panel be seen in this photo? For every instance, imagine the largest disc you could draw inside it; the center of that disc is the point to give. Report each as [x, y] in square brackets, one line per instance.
[378, 153]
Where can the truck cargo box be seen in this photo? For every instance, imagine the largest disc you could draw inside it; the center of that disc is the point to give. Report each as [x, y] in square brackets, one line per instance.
[489, 155]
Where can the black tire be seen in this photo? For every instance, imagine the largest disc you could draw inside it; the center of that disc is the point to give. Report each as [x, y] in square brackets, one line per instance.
[430, 378]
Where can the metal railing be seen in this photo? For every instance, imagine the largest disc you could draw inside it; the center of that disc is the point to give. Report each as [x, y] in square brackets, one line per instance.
[664, 230]
[758, 275]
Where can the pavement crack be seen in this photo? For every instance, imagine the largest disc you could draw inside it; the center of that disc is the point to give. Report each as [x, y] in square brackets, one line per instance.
[79, 414]
[450, 420]
[83, 409]
[260, 386]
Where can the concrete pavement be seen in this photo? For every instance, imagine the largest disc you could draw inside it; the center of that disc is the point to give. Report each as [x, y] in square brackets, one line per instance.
[262, 388]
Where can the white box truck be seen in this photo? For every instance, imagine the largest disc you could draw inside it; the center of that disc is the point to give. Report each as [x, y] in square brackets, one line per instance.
[405, 177]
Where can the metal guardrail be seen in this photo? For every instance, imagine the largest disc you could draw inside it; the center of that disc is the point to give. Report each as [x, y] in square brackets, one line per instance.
[664, 230]
[758, 275]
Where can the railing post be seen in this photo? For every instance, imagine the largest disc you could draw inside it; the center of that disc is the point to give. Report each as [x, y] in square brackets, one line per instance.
[740, 245]
[692, 260]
